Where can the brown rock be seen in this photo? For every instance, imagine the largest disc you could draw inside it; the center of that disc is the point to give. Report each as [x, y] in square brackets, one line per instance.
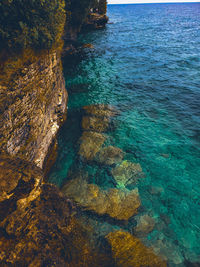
[90, 123]
[119, 204]
[91, 46]
[128, 251]
[145, 225]
[127, 173]
[32, 104]
[109, 155]
[37, 227]
[100, 110]
[90, 144]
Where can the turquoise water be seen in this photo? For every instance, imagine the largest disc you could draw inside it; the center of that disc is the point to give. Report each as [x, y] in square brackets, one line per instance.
[147, 64]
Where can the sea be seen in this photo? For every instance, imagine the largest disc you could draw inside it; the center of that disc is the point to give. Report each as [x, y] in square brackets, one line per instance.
[146, 64]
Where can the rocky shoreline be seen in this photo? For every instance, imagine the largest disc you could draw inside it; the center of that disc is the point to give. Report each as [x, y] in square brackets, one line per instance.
[39, 225]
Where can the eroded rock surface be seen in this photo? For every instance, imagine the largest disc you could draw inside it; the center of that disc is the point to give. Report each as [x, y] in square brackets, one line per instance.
[33, 104]
[95, 21]
[118, 204]
[128, 251]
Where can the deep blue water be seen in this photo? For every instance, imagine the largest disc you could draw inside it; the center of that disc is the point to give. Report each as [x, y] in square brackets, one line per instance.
[147, 64]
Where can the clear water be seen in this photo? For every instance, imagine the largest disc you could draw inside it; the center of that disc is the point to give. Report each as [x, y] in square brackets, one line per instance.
[147, 64]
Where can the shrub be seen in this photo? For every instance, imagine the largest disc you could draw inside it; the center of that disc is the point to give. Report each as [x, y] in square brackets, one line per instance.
[36, 24]
[102, 6]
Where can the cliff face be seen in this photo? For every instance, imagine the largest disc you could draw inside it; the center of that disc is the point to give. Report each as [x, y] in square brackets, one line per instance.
[33, 104]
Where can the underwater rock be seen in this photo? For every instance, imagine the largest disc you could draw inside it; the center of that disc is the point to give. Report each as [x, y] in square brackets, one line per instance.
[165, 155]
[109, 155]
[145, 225]
[118, 204]
[156, 190]
[100, 110]
[128, 251]
[90, 144]
[127, 173]
[90, 46]
[168, 250]
[91, 123]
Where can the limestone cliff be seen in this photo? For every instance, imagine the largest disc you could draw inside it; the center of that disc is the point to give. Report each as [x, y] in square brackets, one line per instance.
[32, 104]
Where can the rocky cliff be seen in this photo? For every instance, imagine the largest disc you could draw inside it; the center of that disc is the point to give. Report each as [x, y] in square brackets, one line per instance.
[39, 226]
[32, 104]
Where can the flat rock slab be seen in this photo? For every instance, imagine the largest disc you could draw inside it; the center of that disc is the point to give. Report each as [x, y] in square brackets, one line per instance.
[91, 123]
[90, 144]
[118, 204]
[100, 110]
[145, 225]
[128, 251]
[109, 155]
[127, 173]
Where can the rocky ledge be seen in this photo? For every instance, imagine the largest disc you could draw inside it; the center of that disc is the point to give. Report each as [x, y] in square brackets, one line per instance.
[37, 226]
[95, 21]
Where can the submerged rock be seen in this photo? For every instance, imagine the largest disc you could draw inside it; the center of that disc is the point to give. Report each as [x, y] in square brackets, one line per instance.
[168, 250]
[90, 46]
[145, 225]
[128, 251]
[90, 144]
[100, 110]
[91, 123]
[109, 155]
[119, 204]
[127, 173]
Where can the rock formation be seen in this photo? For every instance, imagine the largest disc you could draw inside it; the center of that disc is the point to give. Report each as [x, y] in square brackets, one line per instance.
[109, 155]
[37, 227]
[128, 251]
[33, 105]
[145, 225]
[90, 144]
[100, 110]
[118, 204]
[127, 173]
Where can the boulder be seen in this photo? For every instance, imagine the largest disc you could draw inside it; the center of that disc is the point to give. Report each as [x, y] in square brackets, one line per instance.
[90, 46]
[90, 144]
[128, 251]
[145, 225]
[90, 123]
[100, 110]
[127, 173]
[118, 204]
[109, 155]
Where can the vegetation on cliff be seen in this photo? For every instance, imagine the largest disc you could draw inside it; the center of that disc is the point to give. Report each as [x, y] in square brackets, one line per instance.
[34, 24]
[102, 6]
[77, 10]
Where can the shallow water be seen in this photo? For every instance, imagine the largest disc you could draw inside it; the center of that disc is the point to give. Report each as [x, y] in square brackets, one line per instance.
[146, 64]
